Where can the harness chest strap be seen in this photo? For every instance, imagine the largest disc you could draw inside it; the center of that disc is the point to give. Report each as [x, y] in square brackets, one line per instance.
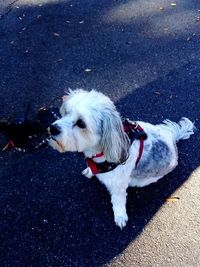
[92, 165]
[109, 166]
[140, 152]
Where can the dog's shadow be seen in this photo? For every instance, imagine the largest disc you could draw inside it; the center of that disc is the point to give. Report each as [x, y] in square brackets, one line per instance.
[51, 214]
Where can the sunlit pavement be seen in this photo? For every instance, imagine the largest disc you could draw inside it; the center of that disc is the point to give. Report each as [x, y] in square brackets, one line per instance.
[144, 54]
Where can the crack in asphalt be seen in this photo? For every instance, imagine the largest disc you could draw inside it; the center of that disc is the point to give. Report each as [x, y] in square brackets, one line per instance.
[8, 10]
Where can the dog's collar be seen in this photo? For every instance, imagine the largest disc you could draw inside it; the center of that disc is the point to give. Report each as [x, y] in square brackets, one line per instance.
[134, 131]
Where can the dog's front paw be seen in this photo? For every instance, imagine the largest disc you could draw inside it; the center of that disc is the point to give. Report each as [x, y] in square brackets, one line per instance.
[121, 221]
[87, 172]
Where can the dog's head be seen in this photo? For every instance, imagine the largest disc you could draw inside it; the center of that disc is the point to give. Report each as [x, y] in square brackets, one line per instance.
[90, 122]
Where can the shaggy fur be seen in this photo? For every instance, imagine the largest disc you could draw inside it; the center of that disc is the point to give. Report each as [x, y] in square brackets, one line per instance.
[91, 124]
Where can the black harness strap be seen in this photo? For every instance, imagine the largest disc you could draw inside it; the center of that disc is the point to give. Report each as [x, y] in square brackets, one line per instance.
[134, 132]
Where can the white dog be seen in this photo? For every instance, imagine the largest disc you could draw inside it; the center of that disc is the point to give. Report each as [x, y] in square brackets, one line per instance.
[91, 124]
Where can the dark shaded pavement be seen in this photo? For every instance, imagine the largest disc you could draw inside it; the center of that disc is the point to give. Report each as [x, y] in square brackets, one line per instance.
[148, 61]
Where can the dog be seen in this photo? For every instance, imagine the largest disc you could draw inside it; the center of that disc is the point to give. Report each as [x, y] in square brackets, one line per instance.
[91, 124]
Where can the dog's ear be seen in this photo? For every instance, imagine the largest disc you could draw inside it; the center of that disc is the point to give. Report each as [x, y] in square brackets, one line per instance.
[114, 142]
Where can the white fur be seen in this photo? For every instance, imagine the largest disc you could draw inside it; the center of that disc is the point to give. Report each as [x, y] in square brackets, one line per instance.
[104, 133]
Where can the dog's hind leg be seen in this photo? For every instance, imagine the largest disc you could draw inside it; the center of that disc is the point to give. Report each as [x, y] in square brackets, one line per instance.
[140, 182]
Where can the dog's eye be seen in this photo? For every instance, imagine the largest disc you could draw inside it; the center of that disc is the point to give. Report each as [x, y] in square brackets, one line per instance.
[81, 124]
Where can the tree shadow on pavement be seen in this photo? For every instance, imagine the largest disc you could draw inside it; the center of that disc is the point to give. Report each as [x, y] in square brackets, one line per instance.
[51, 215]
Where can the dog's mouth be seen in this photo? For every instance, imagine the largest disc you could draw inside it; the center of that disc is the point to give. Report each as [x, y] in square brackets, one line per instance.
[59, 144]
[54, 140]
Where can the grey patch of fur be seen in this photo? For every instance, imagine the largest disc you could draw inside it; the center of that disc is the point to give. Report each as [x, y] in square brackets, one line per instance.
[157, 160]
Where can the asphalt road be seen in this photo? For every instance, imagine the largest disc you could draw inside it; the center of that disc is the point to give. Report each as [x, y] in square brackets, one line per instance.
[145, 55]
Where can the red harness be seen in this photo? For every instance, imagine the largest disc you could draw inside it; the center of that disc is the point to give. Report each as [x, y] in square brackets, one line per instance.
[134, 131]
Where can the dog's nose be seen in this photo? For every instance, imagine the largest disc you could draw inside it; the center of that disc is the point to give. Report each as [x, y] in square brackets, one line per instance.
[54, 129]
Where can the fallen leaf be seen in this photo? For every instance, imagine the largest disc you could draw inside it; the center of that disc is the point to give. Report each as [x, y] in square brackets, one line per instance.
[173, 4]
[172, 199]
[157, 93]
[87, 70]
[56, 34]
[6, 146]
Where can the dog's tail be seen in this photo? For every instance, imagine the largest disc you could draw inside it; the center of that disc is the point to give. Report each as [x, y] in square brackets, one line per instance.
[181, 130]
